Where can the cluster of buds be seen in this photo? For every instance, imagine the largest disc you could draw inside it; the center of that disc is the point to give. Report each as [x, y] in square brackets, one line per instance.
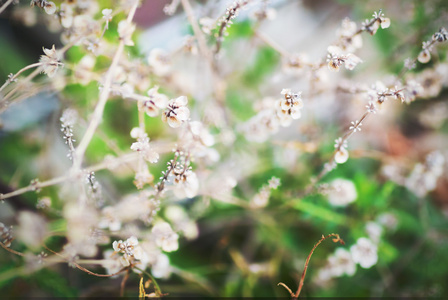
[335, 59]
[273, 114]
[48, 6]
[425, 55]
[226, 20]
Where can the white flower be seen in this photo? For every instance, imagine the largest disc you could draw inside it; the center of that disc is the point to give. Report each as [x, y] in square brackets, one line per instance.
[165, 237]
[125, 31]
[50, 62]
[352, 61]
[161, 269]
[374, 231]
[111, 262]
[342, 192]
[176, 112]
[365, 253]
[50, 7]
[424, 56]
[107, 14]
[109, 219]
[341, 156]
[160, 62]
[154, 102]
[128, 248]
[356, 126]
[186, 185]
[142, 146]
[32, 229]
[341, 263]
[371, 108]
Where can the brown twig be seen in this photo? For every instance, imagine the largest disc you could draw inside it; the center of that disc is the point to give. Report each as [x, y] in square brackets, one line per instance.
[337, 239]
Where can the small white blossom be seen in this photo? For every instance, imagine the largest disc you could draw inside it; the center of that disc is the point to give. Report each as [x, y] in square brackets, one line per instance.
[365, 253]
[371, 107]
[341, 156]
[356, 126]
[341, 192]
[144, 148]
[341, 263]
[160, 62]
[125, 31]
[176, 112]
[50, 61]
[165, 237]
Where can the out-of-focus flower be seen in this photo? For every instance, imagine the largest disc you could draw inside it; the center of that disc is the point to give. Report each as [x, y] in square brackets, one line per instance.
[50, 62]
[165, 237]
[341, 192]
[364, 252]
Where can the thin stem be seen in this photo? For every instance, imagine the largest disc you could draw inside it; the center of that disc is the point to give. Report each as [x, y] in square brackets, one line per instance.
[57, 180]
[272, 44]
[18, 73]
[337, 239]
[156, 285]
[4, 6]
[104, 96]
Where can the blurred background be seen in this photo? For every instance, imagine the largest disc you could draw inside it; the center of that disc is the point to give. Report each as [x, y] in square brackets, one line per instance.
[242, 250]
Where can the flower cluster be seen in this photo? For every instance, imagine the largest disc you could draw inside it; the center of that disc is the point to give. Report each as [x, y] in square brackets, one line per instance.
[440, 36]
[273, 114]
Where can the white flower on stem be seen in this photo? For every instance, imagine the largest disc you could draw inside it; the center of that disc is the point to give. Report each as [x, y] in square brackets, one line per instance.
[111, 262]
[384, 22]
[165, 237]
[128, 248]
[424, 56]
[341, 192]
[374, 231]
[371, 107]
[351, 61]
[356, 126]
[346, 33]
[66, 14]
[154, 102]
[186, 185]
[161, 268]
[125, 31]
[144, 148]
[176, 112]
[341, 263]
[107, 15]
[341, 156]
[109, 219]
[160, 62]
[365, 253]
[50, 61]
